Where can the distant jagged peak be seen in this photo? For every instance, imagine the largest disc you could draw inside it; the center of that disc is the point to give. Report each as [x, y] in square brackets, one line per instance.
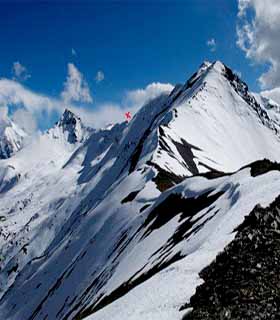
[68, 118]
[11, 137]
[71, 127]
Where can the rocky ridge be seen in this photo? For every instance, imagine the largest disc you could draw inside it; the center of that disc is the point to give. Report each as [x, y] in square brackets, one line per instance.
[243, 281]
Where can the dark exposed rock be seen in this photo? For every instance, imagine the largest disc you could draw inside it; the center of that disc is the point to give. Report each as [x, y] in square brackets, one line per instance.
[13, 269]
[164, 179]
[130, 197]
[244, 280]
[242, 89]
[69, 123]
[144, 207]
[6, 149]
[263, 166]
[175, 205]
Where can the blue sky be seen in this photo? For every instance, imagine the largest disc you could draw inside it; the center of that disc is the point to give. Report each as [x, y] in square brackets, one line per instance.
[133, 43]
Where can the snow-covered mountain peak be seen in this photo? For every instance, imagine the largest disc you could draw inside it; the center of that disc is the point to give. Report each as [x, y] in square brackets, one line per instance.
[218, 66]
[68, 117]
[218, 76]
[69, 128]
[220, 69]
[209, 114]
[11, 138]
[208, 70]
[72, 126]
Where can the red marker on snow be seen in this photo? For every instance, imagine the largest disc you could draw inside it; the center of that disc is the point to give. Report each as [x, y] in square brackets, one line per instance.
[127, 116]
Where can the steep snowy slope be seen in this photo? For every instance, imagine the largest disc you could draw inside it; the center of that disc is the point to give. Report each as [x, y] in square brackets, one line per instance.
[200, 234]
[90, 222]
[33, 186]
[11, 138]
[215, 123]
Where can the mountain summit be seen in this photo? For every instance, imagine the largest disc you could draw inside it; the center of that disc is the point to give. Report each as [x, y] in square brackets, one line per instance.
[69, 128]
[117, 223]
[72, 126]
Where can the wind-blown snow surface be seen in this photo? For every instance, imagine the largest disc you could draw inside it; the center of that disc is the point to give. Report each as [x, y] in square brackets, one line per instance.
[86, 217]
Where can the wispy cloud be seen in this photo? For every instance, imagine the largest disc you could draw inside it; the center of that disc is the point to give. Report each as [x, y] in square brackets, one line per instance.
[28, 107]
[138, 97]
[14, 93]
[132, 101]
[211, 43]
[99, 76]
[20, 72]
[76, 88]
[273, 94]
[3, 113]
[73, 52]
[25, 120]
[31, 106]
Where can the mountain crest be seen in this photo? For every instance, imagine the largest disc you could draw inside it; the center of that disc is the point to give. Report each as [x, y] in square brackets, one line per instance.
[68, 117]
[71, 126]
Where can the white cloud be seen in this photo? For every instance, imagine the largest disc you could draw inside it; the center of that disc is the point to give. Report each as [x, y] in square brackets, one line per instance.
[14, 93]
[3, 114]
[73, 52]
[99, 76]
[107, 113]
[211, 43]
[137, 98]
[273, 94]
[132, 100]
[25, 120]
[32, 106]
[258, 32]
[19, 72]
[76, 88]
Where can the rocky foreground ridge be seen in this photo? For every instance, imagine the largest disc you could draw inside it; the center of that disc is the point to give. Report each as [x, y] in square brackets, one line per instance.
[244, 280]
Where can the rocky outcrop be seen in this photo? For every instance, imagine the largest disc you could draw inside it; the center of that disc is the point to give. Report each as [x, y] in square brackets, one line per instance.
[72, 125]
[244, 281]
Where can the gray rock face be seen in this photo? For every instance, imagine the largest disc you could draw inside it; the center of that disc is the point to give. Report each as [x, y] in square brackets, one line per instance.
[244, 281]
[71, 124]
[6, 149]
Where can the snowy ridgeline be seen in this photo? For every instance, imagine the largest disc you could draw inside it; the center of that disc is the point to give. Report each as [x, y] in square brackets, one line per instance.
[117, 223]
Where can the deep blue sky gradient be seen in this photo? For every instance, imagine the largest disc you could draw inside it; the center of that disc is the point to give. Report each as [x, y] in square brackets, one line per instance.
[133, 42]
